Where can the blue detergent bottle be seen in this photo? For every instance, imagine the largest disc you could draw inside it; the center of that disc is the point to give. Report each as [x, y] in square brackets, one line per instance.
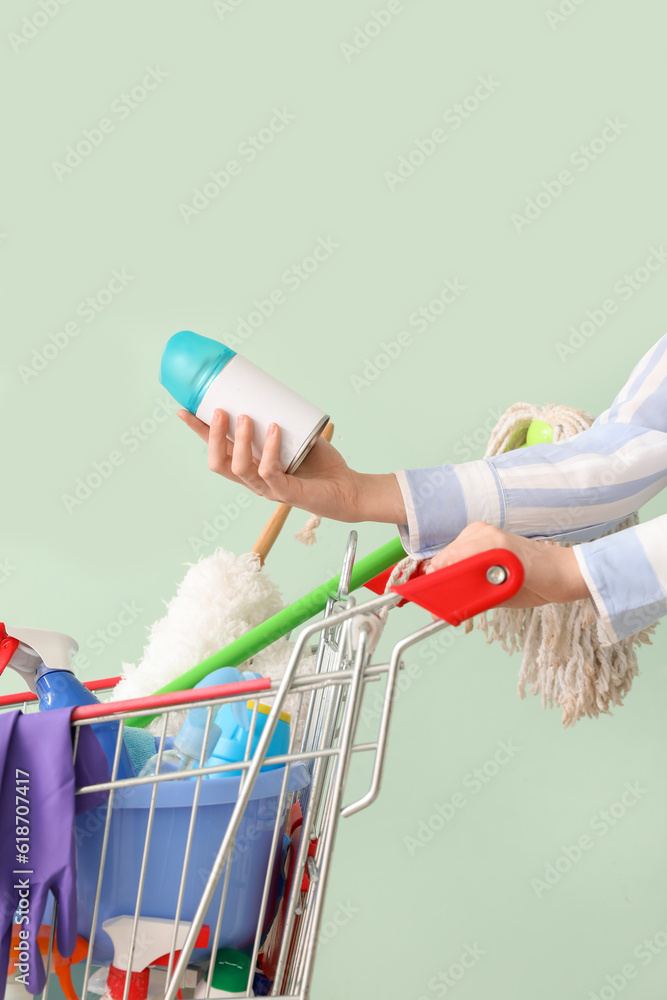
[234, 721]
[44, 660]
[186, 752]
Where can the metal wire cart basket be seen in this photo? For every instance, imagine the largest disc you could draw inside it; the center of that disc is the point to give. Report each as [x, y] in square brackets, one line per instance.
[178, 874]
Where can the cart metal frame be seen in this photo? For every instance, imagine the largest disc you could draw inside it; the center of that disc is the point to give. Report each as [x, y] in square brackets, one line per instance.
[330, 698]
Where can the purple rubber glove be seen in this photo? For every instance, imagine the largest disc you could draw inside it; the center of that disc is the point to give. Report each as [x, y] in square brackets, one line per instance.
[39, 776]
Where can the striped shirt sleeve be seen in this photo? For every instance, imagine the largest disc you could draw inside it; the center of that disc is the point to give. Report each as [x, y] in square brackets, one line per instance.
[626, 574]
[575, 490]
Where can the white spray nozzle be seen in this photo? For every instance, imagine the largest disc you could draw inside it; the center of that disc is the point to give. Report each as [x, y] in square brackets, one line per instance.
[153, 940]
[35, 651]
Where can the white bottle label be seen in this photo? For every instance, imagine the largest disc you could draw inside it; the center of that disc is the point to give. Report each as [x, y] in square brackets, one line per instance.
[242, 387]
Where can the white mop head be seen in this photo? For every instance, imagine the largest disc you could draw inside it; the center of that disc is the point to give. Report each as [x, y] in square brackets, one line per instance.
[563, 659]
[220, 598]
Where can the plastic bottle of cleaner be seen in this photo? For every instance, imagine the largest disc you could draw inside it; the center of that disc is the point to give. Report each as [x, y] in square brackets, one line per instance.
[153, 944]
[231, 746]
[233, 725]
[44, 660]
[188, 742]
[186, 752]
[202, 374]
[231, 976]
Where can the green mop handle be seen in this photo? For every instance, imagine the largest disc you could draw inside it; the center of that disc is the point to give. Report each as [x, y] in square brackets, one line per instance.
[278, 625]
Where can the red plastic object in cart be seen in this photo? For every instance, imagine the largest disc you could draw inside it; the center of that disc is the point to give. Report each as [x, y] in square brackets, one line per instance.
[140, 980]
[201, 942]
[8, 646]
[268, 957]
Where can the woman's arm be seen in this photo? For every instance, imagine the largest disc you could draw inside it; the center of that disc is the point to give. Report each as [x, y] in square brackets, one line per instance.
[625, 574]
[573, 490]
[323, 484]
[576, 489]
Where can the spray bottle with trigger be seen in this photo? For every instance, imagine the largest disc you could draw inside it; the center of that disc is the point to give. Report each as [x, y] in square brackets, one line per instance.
[43, 658]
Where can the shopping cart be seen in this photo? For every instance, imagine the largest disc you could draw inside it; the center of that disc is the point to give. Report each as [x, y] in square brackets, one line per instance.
[247, 867]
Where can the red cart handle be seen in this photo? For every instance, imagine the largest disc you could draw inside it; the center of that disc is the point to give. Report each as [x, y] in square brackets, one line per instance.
[468, 587]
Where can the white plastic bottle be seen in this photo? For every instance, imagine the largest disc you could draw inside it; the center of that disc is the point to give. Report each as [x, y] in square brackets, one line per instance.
[203, 375]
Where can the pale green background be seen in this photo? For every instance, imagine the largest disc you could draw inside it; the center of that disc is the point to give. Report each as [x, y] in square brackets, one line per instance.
[325, 176]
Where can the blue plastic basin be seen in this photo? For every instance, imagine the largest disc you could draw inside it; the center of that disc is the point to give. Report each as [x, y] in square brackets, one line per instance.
[166, 855]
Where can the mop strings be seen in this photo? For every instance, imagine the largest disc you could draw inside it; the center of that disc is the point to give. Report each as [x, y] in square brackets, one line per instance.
[401, 573]
[307, 534]
[564, 659]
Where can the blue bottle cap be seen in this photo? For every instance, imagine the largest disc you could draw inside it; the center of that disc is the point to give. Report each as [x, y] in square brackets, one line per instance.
[228, 675]
[189, 365]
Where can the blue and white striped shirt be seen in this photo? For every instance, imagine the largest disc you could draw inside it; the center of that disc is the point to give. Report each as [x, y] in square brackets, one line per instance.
[574, 490]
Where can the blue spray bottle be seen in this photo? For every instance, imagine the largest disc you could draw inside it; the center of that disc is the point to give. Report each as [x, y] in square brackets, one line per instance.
[44, 660]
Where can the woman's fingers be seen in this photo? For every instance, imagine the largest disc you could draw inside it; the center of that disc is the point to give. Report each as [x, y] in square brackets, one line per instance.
[219, 453]
[243, 462]
[475, 537]
[197, 425]
[269, 462]
[235, 460]
[270, 468]
[219, 445]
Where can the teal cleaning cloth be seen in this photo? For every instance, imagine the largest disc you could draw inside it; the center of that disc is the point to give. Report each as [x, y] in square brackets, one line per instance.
[140, 745]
